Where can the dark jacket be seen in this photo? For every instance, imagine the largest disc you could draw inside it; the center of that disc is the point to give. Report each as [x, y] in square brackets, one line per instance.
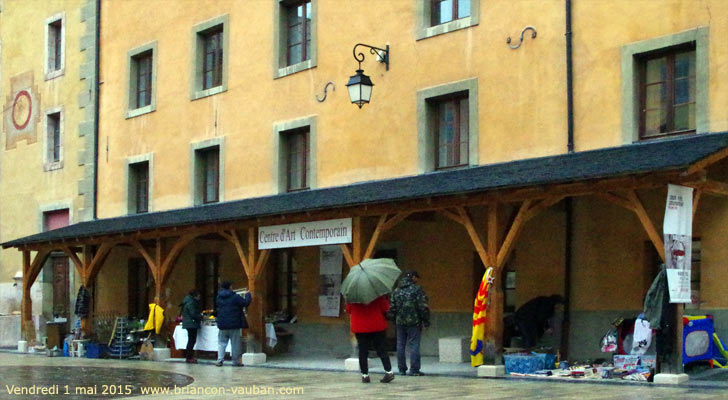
[229, 310]
[409, 304]
[191, 313]
[537, 312]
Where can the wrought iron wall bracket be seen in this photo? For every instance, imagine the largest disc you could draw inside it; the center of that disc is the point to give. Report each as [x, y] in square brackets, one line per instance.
[382, 54]
[533, 35]
[333, 87]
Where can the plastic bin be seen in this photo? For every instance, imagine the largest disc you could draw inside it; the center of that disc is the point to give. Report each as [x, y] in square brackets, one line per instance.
[522, 363]
[547, 360]
[95, 350]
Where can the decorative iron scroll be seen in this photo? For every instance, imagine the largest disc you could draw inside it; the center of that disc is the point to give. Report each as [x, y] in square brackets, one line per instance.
[533, 35]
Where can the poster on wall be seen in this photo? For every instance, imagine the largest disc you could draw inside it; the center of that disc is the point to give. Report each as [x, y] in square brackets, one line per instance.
[330, 281]
[678, 231]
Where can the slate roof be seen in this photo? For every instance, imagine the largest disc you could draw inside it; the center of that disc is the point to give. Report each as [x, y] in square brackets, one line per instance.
[638, 158]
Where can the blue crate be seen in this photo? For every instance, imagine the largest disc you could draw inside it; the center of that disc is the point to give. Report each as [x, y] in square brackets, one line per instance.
[548, 361]
[95, 350]
[522, 363]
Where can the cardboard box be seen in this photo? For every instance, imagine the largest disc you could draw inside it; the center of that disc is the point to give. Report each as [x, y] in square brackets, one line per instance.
[628, 361]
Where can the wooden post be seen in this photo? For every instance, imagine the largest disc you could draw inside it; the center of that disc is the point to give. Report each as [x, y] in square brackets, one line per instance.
[494, 316]
[26, 306]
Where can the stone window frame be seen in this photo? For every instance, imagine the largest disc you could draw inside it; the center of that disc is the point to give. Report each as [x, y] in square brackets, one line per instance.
[280, 59]
[49, 165]
[630, 78]
[425, 129]
[130, 205]
[131, 70]
[198, 51]
[52, 74]
[54, 206]
[423, 13]
[279, 164]
[195, 169]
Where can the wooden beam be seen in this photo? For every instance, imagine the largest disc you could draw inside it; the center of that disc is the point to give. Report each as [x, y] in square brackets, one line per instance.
[453, 216]
[715, 188]
[375, 236]
[80, 267]
[474, 237]
[707, 161]
[98, 260]
[696, 199]
[174, 252]
[252, 253]
[493, 236]
[347, 255]
[37, 265]
[396, 220]
[356, 242]
[510, 240]
[647, 224]
[542, 206]
[615, 199]
[234, 237]
[262, 260]
[144, 253]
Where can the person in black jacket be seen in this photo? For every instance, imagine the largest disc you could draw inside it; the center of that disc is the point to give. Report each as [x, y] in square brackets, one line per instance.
[533, 318]
[191, 318]
[230, 322]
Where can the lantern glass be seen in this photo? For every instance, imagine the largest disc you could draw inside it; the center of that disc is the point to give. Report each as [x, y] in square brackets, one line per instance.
[360, 88]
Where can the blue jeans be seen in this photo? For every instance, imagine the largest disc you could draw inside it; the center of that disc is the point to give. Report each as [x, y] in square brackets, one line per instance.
[236, 345]
[408, 336]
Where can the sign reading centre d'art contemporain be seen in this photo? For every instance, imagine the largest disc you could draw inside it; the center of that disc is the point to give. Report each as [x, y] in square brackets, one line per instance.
[315, 233]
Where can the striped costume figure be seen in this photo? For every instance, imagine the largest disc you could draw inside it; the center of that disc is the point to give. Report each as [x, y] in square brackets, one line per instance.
[479, 312]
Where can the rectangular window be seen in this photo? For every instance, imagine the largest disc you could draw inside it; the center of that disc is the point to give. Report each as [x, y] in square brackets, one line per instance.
[55, 45]
[298, 32]
[53, 125]
[212, 58]
[206, 278]
[452, 132]
[667, 93]
[139, 186]
[443, 11]
[55, 219]
[210, 175]
[296, 148]
[143, 63]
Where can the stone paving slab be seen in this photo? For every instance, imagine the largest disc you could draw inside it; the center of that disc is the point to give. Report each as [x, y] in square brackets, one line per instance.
[265, 382]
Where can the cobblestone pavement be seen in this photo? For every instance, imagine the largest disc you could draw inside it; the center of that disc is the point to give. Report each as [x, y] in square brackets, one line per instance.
[252, 382]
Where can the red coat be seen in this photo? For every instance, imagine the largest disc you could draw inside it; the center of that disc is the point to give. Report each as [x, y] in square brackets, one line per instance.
[368, 317]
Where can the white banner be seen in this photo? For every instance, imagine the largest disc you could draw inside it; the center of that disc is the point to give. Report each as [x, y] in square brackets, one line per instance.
[330, 282]
[314, 233]
[678, 231]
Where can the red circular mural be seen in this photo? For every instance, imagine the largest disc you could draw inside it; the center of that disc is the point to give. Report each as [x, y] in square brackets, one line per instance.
[22, 109]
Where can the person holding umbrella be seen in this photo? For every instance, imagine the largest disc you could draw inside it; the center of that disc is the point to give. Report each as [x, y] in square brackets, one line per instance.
[365, 289]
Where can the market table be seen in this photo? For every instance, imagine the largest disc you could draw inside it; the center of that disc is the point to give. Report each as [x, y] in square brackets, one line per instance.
[206, 338]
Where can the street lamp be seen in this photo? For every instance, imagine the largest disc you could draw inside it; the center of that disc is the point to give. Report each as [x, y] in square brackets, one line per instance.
[359, 85]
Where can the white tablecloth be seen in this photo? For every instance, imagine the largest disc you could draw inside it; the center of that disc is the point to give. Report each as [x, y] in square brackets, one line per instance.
[206, 338]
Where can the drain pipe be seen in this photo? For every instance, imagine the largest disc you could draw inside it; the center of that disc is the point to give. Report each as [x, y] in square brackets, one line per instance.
[97, 77]
[569, 82]
[568, 202]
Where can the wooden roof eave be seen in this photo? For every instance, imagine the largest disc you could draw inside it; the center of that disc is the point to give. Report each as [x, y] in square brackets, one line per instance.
[499, 195]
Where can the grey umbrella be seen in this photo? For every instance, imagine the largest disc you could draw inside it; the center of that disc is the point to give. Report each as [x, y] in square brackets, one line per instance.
[370, 279]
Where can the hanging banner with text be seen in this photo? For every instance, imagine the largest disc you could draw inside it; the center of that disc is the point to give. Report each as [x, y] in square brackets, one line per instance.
[314, 233]
[330, 281]
[678, 231]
